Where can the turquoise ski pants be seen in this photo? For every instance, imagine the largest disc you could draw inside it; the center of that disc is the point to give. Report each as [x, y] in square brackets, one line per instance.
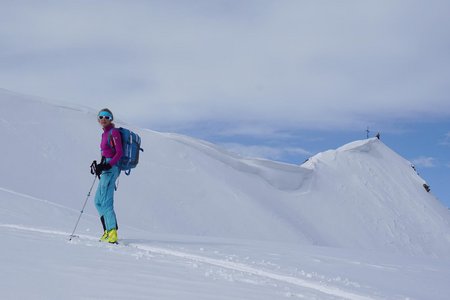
[104, 197]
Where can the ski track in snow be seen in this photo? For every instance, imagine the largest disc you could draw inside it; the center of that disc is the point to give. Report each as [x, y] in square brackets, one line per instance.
[254, 271]
[234, 266]
[36, 199]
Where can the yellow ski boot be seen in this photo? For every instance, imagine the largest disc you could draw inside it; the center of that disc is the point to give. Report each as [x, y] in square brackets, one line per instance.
[112, 236]
[104, 237]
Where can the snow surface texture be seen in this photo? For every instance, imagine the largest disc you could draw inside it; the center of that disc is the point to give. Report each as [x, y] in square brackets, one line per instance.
[197, 222]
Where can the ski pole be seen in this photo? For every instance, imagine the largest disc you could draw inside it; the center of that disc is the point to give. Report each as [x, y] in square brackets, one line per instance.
[85, 202]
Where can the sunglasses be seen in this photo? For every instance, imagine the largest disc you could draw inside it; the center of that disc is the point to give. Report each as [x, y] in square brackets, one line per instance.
[105, 117]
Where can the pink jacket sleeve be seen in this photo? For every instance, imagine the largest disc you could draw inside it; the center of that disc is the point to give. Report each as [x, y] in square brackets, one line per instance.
[116, 141]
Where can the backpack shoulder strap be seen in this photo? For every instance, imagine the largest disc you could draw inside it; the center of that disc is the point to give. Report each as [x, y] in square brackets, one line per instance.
[110, 140]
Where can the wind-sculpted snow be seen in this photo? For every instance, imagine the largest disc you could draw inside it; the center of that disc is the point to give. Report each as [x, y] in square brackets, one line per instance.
[281, 176]
[360, 196]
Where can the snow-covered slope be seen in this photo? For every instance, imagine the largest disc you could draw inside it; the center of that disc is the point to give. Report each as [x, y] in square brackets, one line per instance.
[362, 195]
[197, 222]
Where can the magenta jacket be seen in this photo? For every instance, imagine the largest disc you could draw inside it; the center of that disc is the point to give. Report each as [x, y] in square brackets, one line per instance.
[115, 152]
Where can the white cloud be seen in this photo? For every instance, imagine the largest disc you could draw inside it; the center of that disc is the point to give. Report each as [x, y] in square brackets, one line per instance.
[283, 64]
[424, 162]
[446, 140]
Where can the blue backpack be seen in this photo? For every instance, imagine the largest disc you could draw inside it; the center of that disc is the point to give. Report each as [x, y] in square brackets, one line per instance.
[131, 146]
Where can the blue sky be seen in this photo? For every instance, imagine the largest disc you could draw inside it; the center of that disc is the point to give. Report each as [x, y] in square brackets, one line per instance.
[279, 79]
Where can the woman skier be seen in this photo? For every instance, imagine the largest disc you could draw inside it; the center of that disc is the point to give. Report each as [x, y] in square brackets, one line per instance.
[111, 149]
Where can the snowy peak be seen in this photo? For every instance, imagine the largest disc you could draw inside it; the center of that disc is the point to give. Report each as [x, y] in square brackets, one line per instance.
[372, 146]
[369, 158]
[367, 190]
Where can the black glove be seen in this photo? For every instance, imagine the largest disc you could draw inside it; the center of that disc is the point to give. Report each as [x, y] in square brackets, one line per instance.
[102, 167]
[93, 167]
